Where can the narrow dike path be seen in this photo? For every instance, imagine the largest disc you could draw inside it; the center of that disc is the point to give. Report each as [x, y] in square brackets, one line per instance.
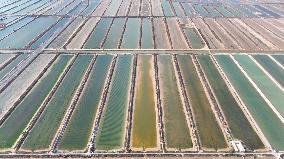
[130, 107]
[159, 106]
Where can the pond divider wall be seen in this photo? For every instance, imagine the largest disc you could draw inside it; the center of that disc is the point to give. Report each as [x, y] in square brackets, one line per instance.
[122, 34]
[130, 107]
[57, 139]
[159, 106]
[92, 143]
[192, 123]
[37, 115]
[168, 32]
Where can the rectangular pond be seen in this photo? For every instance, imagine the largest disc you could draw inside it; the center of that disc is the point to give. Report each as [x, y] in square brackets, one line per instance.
[147, 40]
[112, 8]
[12, 64]
[25, 35]
[131, 36]
[144, 131]
[15, 90]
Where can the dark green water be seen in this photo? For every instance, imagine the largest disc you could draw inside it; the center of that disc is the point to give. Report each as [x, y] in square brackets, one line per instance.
[112, 127]
[194, 39]
[273, 93]
[43, 132]
[79, 129]
[115, 33]
[235, 117]
[279, 58]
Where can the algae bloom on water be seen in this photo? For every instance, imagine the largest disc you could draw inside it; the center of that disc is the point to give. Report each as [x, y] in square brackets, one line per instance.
[144, 125]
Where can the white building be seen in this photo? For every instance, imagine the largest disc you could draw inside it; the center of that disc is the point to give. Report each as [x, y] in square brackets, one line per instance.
[238, 146]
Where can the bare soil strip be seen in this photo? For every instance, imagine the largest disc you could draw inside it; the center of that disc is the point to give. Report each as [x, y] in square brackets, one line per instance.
[207, 35]
[146, 8]
[134, 8]
[177, 38]
[274, 29]
[240, 37]
[80, 38]
[160, 34]
[157, 8]
[255, 34]
[265, 33]
[224, 37]
[250, 36]
[101, 8]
